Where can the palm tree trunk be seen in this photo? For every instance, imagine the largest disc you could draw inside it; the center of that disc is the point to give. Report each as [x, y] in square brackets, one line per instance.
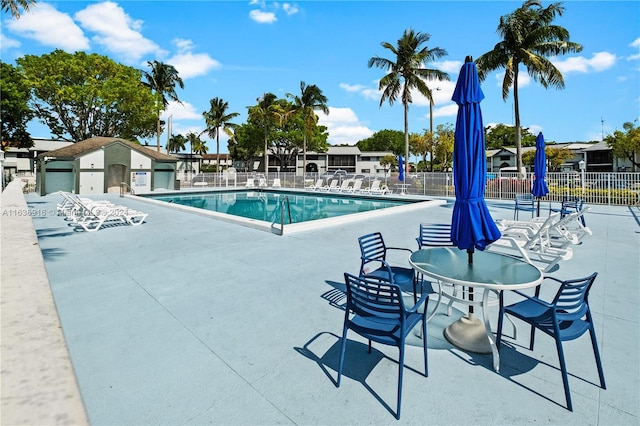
[158, 132]
[406, 138]
[304, 156]
[516, 108]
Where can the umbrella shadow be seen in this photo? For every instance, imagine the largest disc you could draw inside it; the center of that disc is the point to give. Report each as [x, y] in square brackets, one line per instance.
[53, 232]
[358, 362]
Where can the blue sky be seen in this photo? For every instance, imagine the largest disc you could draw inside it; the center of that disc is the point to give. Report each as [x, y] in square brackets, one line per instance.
[237, 50]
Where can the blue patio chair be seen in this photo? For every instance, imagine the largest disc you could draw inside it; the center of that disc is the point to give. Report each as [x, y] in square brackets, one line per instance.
[566, 318]
[376, 311]
[374, 265]
[434, 235]
[524, 202]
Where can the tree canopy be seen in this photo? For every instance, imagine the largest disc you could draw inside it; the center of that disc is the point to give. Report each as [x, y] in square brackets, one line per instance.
[384, 140]
[283, 134]
[625, 144]
[82, 95]
[502, 135]
[14, 109]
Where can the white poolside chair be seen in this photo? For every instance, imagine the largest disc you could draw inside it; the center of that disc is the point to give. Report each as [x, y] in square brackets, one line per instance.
[276, 183]
[250, 183]
[315, 187]
[377, 188]
[534, 245]
[344, 187]
[357, 185]
[332, 186]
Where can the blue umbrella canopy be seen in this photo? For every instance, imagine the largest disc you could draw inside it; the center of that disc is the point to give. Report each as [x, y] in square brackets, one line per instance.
[400, 168]
[540, 188]
[471, 224]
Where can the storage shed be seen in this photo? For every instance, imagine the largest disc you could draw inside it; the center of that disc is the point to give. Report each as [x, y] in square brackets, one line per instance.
[100, 164]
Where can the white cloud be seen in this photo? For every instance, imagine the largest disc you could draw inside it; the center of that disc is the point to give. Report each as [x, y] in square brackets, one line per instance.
[181, 111]
[445, 111]
[116, 31]
[49, 27]
[635, 43]
[7, 43]
[600, 61]
[448, 66]
[523, 79]
[191, 64]
[262, 17]
[290, 9]
[343, 126]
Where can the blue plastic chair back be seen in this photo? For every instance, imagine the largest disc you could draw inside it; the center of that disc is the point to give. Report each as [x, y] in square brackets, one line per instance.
[434, 235]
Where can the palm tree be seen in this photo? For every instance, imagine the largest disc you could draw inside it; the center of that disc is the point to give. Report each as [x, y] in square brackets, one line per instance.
[406, 72]
[195, 144]
[162, 80]
[176, 143]
[527, 38]
[264, 113]
[310, 100]
[217, 119]
[13, 6]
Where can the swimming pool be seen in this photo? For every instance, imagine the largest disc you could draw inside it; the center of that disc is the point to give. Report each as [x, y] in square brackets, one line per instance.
[284, 209]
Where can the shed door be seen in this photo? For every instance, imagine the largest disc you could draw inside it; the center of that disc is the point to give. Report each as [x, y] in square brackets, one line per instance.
[116, 175]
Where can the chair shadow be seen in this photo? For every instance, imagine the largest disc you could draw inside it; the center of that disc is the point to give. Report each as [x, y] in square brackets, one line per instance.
[52, 253]
[358, 362]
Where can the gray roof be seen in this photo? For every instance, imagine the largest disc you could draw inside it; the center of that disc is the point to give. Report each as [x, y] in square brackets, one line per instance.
[88, 145]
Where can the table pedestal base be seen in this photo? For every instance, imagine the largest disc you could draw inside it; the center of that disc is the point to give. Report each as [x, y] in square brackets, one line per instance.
[468, 333]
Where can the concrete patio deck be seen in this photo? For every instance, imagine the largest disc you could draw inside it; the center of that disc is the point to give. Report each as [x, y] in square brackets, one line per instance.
[190, 320]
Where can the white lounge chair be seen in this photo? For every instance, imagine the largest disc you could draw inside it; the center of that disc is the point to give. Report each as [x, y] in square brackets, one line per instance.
[250, 183]
[315, 187]
[276, 183]
[332, 186]
[377, 188]
[357, 184]
[523, 241]
[344, 187]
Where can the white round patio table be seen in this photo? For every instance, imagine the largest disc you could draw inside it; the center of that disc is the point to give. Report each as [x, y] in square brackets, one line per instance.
[490, 271]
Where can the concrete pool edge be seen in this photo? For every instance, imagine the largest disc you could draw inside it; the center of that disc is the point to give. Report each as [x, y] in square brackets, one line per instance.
[275, 228]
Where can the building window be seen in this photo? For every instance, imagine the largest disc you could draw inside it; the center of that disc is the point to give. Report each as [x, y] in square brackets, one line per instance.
[505, 157]
[342, 161]
[366, 170]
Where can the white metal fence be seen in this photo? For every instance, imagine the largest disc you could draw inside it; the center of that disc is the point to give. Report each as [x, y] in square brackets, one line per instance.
[594, 188]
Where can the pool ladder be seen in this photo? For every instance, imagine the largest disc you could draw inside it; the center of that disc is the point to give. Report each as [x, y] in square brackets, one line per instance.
[274, 229]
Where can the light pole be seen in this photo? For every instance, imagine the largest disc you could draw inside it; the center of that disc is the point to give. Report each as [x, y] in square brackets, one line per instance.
[583, 167]
[431, 127]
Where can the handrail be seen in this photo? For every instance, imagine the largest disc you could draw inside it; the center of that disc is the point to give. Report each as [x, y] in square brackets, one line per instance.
[282, 201]
[123, 187]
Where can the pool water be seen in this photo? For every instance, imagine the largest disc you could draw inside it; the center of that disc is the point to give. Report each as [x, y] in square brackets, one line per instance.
[266, 205]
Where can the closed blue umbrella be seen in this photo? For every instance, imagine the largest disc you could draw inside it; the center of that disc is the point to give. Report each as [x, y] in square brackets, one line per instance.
[471, 225]
[539, 188]
[400, 168]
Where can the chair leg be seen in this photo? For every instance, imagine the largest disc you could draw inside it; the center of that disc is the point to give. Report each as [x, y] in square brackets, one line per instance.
[500, 321]
[596, 353]
[343, 347]
[400, 371]
[424, 346]
[565, 378]
[531, 337]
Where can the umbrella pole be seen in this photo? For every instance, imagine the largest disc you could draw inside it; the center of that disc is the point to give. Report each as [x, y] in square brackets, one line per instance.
[470, 260]
[538, 206]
